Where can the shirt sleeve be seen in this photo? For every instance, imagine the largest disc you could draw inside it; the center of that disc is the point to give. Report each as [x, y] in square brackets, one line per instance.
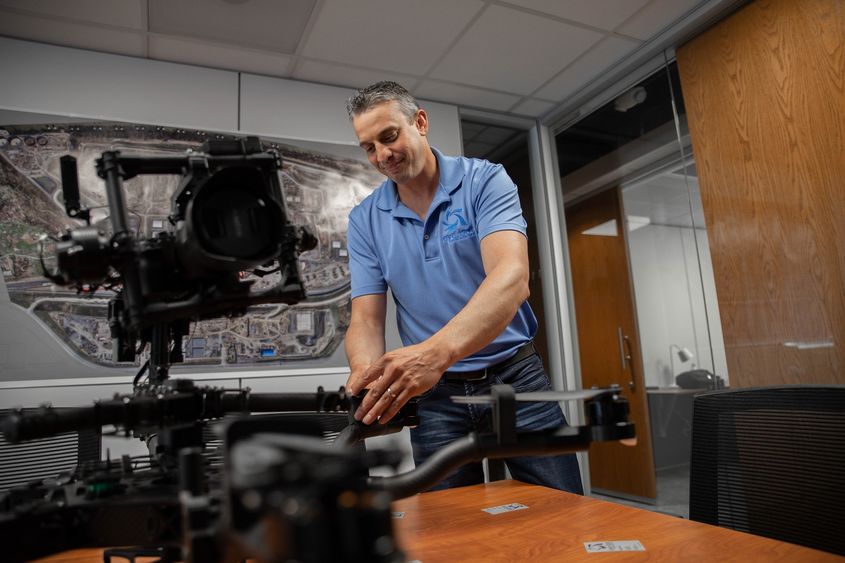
[364, 266]
[497, 204]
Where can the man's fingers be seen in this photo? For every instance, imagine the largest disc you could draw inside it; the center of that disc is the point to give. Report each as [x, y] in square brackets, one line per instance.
[383, 407]
[373, 396]
[382, 375]
[394, 406]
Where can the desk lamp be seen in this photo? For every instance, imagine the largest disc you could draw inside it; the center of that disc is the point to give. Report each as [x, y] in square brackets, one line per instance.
[683, 354]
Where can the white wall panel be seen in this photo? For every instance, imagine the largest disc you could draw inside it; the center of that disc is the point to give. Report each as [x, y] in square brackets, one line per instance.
[59, 80]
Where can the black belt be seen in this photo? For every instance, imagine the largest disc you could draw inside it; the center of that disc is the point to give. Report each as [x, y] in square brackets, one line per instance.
[523, 352]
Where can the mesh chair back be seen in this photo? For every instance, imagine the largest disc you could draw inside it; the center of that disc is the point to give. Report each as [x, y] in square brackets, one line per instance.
[771, 461]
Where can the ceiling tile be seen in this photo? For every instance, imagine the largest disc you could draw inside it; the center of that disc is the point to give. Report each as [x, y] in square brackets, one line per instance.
[469, 129]
[403, 36]
[594, 62]
[71, 34]
[497, 135]
[476, 149]
[533, 107]
[204, 53]
[509, 50]
[465, 95]
[276, 25]
[606, 14]
[123, 13]
[345, 75]
[657, 16]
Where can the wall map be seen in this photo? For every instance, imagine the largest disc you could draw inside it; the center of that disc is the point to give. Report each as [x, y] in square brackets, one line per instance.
[319, 190]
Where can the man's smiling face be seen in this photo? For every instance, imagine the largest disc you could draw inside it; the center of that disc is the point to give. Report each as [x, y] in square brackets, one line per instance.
[395, 145]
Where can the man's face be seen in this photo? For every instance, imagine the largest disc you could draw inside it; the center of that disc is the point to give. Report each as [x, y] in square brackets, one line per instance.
[396, 146]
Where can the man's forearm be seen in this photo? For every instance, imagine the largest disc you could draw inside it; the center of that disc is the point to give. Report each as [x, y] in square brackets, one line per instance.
[364, 344]
[491, 308]
[408, 371]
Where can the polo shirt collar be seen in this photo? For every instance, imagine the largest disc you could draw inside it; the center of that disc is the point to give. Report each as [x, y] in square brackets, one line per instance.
[451, 172]
[451, 177]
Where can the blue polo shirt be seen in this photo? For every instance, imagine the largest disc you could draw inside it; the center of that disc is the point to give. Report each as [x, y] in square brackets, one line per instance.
[433, 267]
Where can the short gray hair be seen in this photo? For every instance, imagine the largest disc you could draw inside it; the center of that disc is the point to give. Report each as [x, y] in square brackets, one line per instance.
[379, 93]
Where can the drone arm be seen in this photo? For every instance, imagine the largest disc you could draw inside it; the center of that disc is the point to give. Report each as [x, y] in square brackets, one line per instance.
[608, 421]
[164, 408]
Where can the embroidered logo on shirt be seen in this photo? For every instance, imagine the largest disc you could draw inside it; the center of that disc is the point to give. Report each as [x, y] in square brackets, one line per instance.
[454, 219]
[455, 226]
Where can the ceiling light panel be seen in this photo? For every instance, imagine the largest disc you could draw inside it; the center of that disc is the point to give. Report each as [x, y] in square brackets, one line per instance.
[508, 50]
[125, 13]
[73, 34]
[216, 55]
[406, 36]
[657, 16]
[275, 25]
[606, 14]
[606, 229]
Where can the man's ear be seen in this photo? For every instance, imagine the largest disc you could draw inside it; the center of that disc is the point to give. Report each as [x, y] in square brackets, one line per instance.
[421, 122]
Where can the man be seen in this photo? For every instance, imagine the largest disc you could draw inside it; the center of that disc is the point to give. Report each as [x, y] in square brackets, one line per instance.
[447, 236]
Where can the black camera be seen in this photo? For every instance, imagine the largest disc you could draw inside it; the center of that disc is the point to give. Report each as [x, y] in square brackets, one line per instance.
[227, 218]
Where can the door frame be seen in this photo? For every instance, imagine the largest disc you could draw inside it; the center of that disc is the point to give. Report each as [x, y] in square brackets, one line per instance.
[564, 367]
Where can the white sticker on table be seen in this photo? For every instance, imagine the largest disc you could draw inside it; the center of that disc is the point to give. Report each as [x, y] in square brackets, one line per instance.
[608, 546]
[504, 508]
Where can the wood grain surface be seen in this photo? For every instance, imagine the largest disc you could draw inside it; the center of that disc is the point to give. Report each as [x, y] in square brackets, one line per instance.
[765, 98]
[450, 526]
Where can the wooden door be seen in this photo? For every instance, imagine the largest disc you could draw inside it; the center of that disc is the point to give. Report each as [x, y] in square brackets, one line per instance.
[607, 338]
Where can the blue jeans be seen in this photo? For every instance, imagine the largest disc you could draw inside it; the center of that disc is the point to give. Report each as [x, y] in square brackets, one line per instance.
[442, 421]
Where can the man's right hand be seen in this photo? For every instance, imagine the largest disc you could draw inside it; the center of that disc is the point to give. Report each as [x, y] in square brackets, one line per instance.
[396, 377]
[356, 381]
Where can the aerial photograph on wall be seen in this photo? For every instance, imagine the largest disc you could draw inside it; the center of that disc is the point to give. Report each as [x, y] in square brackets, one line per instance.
[319, 191]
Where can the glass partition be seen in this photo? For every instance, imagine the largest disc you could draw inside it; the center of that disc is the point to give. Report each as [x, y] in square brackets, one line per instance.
[634, 154]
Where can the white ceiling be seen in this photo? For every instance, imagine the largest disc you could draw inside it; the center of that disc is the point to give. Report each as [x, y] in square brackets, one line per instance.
[524, 57]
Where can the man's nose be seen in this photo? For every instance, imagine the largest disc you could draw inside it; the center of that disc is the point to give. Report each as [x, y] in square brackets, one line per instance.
[383, 153]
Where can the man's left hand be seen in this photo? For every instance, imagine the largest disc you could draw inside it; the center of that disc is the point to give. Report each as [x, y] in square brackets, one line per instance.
[395, 378]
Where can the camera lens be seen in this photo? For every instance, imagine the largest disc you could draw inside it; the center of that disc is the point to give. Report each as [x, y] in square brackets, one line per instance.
[232, 223]
[234, 217]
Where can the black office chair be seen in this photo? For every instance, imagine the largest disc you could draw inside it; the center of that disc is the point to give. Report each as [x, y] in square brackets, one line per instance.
[771, 461]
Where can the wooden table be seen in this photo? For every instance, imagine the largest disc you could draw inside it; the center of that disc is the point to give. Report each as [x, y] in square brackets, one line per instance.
[450, 526]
